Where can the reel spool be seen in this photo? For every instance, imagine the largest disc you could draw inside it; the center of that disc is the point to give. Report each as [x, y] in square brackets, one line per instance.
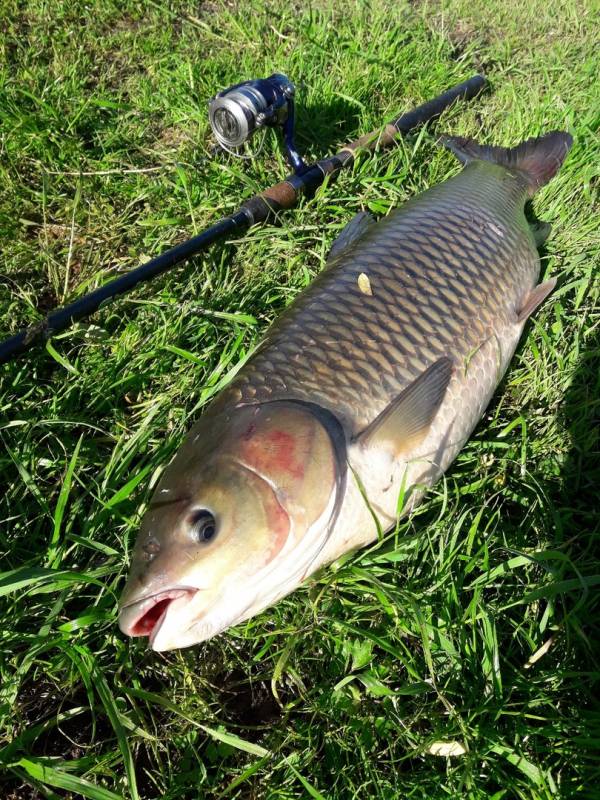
[238, 112]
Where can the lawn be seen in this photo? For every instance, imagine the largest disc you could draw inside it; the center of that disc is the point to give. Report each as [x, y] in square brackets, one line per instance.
[475, 628]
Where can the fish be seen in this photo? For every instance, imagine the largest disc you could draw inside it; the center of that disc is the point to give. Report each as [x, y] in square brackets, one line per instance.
[360, 395]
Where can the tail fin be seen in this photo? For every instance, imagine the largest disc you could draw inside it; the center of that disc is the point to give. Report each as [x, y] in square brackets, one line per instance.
[537, 159]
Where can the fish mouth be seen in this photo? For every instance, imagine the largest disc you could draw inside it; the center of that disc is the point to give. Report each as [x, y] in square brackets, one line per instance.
[145, 617]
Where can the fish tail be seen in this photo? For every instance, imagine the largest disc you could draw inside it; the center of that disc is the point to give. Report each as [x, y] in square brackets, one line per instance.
[537, 159]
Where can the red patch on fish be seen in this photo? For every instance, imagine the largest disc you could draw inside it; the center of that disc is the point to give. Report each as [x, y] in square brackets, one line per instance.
[273, 453]
[250, 431]
[278, 523]
[282, 446]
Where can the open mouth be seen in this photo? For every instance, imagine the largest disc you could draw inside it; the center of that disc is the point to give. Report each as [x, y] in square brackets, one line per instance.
[145, 617]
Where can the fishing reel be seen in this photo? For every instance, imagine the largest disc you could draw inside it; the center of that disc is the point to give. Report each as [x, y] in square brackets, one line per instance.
[237, 113]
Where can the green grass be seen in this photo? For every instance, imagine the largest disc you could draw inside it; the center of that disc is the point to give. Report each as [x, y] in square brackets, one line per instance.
[478, 622]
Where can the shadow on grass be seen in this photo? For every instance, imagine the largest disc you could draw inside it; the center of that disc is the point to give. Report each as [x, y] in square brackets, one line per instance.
[322, 127]
[579, 499]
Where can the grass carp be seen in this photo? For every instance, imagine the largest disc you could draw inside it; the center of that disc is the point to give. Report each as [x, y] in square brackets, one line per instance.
[368, 384]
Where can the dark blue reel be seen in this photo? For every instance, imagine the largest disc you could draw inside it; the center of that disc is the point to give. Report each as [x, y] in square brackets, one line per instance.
[236, 113]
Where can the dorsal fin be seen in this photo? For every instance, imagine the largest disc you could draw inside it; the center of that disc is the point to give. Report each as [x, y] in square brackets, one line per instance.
[537, 159]
[540, 231]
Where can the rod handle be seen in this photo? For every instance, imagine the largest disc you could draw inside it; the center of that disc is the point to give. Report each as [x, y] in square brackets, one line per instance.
[418, 116]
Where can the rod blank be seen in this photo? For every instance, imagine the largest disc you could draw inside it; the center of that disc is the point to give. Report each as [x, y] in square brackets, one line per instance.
[259, 208]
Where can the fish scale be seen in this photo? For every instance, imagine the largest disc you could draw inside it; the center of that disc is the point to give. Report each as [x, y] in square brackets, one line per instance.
[358, 399]
[447, 271]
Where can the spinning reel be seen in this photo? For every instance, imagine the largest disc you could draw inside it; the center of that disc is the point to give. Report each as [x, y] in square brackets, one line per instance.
[237, 113]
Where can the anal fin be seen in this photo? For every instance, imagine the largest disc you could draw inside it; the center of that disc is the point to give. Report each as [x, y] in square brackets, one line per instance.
[535, 298]
[351, 233]
[404, 424]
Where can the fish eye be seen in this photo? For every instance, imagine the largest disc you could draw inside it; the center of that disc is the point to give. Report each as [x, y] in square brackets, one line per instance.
[203, 525]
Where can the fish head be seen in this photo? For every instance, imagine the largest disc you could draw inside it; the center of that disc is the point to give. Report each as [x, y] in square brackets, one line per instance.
[233, 524]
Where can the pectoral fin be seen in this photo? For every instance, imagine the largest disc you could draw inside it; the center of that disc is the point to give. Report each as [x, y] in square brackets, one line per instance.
[404, 424]
[351, 233]
[535, 298]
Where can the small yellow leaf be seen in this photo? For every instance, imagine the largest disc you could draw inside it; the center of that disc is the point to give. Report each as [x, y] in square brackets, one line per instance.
[364, 284]
[447, 749]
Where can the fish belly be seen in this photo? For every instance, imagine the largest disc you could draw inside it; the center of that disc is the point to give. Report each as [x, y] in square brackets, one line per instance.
[381, 489]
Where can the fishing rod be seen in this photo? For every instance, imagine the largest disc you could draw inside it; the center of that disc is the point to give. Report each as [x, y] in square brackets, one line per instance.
[235, 115]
